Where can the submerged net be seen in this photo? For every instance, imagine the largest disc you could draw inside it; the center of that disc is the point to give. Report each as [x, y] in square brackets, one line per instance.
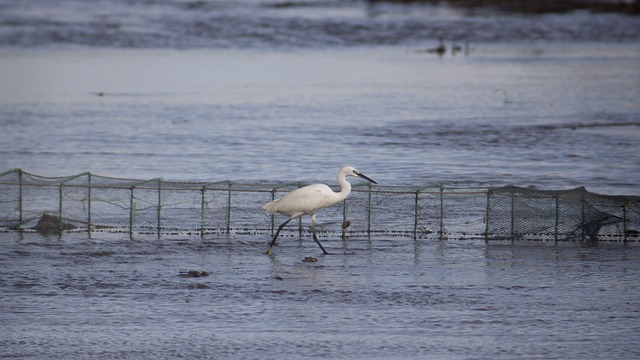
[140, 208]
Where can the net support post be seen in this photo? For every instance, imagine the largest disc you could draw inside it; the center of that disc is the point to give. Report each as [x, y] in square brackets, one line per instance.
[20, 215]
[441, 230]
[19, 172]
[513, 214]
[60, 194]
[132, 212]
[557, 201]
[416, 213]
[486, 217]
[202, 206]
[60, 197]
[159, 207]
[89, 205]
[132, 204]
[582, 216]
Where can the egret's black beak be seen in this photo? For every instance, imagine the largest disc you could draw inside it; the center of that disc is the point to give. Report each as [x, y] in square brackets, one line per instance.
[365, 177]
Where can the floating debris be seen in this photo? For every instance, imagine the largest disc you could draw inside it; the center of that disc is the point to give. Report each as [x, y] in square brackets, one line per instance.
[310, 259]
[193, 274]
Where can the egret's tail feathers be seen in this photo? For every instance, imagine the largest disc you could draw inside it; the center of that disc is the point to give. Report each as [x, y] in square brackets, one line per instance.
[271, 206]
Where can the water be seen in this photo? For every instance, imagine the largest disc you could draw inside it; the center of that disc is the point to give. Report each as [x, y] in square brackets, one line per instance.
[272, 91]
[540, 115]
[387, 299]
[269, 24]
[260, 90]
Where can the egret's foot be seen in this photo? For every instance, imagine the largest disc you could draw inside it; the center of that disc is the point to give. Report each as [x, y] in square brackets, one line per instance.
[269, 252]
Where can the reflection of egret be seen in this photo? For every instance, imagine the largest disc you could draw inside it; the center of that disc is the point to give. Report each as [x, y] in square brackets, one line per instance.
[311, 198]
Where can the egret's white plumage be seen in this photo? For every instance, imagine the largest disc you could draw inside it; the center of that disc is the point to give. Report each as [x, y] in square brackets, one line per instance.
[309, 199]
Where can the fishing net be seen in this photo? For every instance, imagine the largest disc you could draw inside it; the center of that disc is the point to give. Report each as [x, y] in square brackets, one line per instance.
[569, 215]
[92, 204]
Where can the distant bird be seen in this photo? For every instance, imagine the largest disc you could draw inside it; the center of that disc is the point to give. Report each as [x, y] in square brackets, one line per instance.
[309, 199]
[440, 50]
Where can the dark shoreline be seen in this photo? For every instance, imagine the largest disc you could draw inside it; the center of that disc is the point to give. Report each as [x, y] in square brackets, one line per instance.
[535, 6]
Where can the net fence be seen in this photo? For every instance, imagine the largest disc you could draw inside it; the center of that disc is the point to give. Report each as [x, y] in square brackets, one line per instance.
[141, 208]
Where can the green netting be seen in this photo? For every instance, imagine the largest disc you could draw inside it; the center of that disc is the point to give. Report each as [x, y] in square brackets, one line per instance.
[561, 215]
[97, 204]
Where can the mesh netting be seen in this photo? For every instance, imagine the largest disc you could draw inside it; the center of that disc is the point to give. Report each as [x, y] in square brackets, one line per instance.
[576, 214]
[97, 204]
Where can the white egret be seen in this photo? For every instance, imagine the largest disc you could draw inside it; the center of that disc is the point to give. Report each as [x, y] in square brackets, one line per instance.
[309, 199]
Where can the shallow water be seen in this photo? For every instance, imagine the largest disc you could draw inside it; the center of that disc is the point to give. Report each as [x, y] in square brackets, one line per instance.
[269, 24]
[388, 298]
[258, 90]
[552, 116]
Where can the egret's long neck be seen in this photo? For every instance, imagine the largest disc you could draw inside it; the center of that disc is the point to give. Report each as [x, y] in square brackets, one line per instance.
[345, 187]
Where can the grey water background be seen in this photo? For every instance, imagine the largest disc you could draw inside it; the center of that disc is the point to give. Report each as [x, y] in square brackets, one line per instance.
[290, 91]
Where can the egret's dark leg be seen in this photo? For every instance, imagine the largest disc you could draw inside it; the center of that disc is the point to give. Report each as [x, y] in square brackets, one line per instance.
[278, 233]
[315, 237]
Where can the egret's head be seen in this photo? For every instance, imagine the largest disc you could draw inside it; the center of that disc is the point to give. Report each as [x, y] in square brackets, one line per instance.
[351, 171]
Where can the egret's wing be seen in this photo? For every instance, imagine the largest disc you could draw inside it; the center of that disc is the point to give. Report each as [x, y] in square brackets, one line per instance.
[304, 200]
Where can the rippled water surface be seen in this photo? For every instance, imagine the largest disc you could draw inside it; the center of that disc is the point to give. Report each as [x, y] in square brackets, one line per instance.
[263, 90]
[552, 116]
[258, 90]
[286, 24]
[384, 298]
